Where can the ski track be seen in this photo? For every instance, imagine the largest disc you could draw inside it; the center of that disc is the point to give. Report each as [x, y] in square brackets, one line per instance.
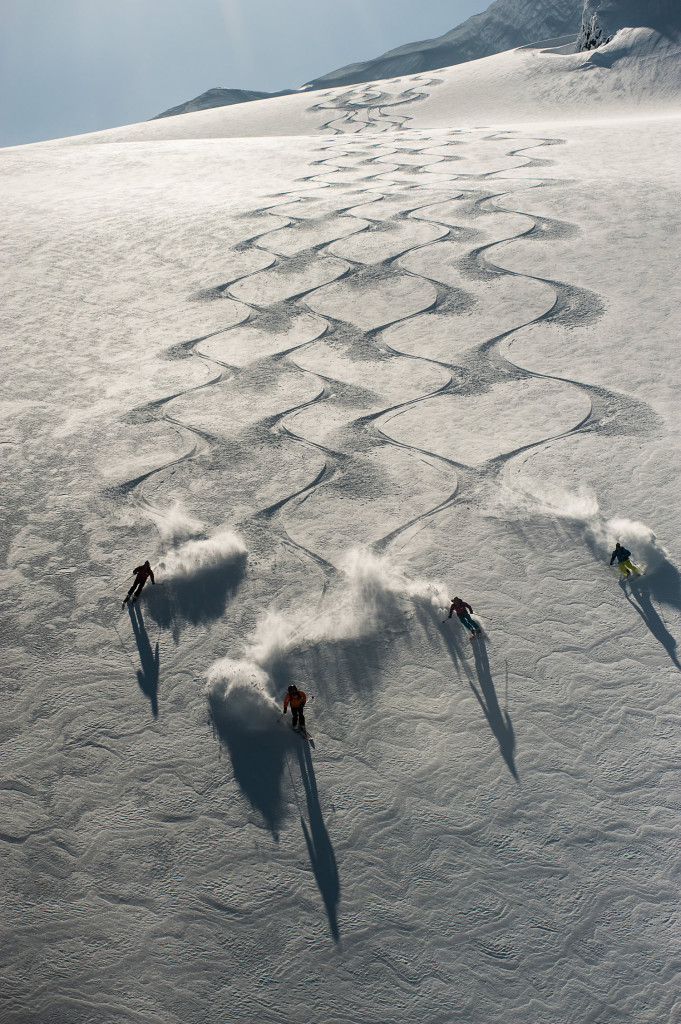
[361, 110]
[348, 183]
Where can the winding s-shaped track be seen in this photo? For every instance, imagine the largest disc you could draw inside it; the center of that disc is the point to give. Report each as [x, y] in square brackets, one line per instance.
[340, 189]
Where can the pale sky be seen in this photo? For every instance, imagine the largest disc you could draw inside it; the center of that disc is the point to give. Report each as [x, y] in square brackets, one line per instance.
[73, 66]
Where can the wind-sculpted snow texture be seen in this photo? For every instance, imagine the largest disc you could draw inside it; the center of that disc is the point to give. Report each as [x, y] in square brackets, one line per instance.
[396, 368]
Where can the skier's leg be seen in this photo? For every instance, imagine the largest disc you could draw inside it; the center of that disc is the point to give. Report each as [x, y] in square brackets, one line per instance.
[465, 620]
[301, 719]
[624, 572]
[294, 717]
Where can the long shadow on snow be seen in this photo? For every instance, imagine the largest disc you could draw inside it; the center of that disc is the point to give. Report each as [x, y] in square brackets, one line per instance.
[147, 676]
[322, 857]
[342, 667]
[499, 721]
[352, 664]
[257, 749]
[199, 597]
[451, 633]
[664, 584]
[643, 604]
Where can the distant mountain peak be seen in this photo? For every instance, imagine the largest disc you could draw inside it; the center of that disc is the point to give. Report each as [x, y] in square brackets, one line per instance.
[219, 97]
[505, 25]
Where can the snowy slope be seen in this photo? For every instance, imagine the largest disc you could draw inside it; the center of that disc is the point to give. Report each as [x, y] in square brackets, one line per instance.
[637, 71]
[326, 381]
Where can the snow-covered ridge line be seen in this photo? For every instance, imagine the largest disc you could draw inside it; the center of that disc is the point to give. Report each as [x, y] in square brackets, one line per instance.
[504, 25]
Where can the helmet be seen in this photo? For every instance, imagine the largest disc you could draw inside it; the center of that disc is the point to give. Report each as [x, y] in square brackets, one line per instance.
[292, 689]
[147, 562]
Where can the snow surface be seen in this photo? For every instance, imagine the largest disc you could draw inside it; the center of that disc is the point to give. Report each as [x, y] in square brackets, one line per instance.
[325, 380]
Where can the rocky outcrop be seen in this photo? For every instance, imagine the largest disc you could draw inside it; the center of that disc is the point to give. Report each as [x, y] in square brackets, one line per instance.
[601, 19]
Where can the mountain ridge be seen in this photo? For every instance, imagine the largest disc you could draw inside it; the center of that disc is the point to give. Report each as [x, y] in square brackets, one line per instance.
[219, 97]
[505, 25]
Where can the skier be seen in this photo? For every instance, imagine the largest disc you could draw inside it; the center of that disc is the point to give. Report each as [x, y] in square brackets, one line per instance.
[296, 698]
[142, 574]
[624, 558]
[462, 609]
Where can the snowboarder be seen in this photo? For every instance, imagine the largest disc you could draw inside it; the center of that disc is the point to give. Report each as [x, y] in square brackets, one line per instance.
[142, 574]
[623, 556]
[296, 698]
[462, 609]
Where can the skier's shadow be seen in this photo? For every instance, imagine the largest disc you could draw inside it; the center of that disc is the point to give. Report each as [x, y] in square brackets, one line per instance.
[499, 721]
[486, 696]
[643, 604]
[147, 676]
[322, 857]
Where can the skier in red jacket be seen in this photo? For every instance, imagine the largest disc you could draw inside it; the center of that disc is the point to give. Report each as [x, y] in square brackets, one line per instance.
[462, 609]
[142, 574]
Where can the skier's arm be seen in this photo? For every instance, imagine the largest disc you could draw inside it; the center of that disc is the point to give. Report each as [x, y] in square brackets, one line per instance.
[451, 609]
[613, 556]
[286, 700]
[466, 605]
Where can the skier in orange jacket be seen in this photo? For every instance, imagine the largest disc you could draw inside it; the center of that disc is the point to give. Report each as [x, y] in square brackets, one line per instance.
[296, 698]
[142, 574]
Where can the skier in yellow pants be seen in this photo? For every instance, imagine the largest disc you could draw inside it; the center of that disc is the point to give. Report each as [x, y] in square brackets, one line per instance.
[623, 556]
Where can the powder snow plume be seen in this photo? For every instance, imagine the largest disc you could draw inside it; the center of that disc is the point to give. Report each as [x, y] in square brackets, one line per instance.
[196, 581]
[199, 556]
[237, 690]
[601, 534]
[176, 526]
[374, 593]
[378, 590]
[639, 538]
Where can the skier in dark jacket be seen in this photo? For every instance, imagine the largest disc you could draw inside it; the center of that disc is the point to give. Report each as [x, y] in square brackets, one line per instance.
[462, 609]
[296, 698]
[623, 556]
[142, 574]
